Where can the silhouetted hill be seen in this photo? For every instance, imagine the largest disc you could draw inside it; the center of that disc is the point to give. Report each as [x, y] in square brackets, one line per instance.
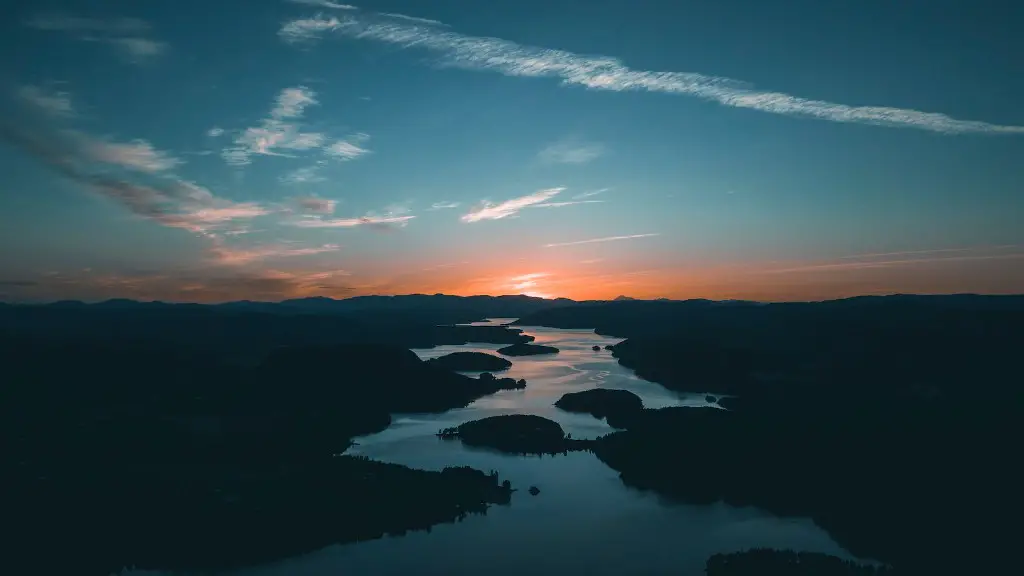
[515, 434]
[191, 462]
[866, 415]
[241, 329]
[468, 307]
[619, 407]
[636, 318]
[471, 362]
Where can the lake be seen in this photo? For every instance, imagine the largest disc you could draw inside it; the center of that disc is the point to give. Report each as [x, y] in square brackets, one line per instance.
[583, 521]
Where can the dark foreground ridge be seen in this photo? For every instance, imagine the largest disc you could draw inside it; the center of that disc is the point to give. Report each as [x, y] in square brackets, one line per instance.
[766, 562]
[471, 362]
[885, 420]
[515, 434]
[163, 458]
[618, 407]
[527, 350]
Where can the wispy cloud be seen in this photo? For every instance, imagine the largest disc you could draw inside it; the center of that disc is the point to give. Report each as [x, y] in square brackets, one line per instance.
[281, 134]
[608, 73]
[526, 281]
[325, 4]
[62, 22]
[352, 222]
[489, 211]
[304, 175]
[292, 102]
[217, 283]
[136, 50]
[605, 239]
[893, 260]
[307, 29]
[169, 202]
[415, 19]
[229, 256]
[571, 152]
[916, 252]
[51, 102]
[135, 155]
[583, 195]
[315, 205]
[275, 132]
[215, 132]
[124, 34]
[443, 205]
[569, 203]
[349, 148]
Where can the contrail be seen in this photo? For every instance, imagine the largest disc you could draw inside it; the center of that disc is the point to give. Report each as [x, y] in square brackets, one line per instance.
[607, 73]
[593, 240]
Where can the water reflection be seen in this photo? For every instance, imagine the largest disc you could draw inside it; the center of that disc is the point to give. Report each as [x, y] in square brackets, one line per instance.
[583, 521]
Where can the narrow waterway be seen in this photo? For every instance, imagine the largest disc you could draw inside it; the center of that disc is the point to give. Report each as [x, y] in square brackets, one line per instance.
[584, 521]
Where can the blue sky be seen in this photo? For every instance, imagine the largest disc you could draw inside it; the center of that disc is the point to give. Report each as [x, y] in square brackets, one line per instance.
[269, 149]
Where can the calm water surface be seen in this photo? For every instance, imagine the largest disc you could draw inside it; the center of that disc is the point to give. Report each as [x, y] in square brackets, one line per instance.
[584, 521]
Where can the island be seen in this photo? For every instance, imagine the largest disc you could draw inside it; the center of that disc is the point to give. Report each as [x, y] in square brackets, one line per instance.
[495, 384]
[618, 407]
[515, 434]
[471, 362]
[527, 350]
[762, 561]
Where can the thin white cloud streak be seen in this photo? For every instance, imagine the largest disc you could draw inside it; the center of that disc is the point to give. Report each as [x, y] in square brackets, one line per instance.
[489, 211]
[570, 203]
[215, 132]
[596, 240]
[415, 19]
[571, 153]
[583, 195]
[352, 222]
[51, 102]
[443, 205]
[607, 73]
[935, 251]
[239, 256]
[845, 266]
[325, 4]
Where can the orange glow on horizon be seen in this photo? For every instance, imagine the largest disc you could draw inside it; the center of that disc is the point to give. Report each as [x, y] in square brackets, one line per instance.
[551, 276]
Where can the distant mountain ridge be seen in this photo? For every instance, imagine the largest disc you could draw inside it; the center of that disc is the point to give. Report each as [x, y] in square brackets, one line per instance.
[516, 306]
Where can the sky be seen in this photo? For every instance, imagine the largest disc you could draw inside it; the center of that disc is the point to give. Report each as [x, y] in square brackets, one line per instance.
[187, 150]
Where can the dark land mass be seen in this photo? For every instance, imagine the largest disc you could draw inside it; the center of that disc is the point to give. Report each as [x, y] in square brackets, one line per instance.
[167, 458]
[490, 381]
[186, 436]
[766, 562]
[527, 350]
[471, 362]
[243, 331]
[885, 420]
[618, 407]
[515, 434]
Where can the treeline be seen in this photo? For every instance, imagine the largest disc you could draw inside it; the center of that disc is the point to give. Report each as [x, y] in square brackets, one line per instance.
[768, 562]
